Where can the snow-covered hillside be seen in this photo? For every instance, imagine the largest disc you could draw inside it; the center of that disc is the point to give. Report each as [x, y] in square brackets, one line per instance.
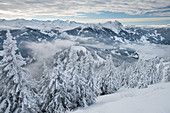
[154, 99]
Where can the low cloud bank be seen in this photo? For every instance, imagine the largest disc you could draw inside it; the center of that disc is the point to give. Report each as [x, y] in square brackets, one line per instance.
[45, 51]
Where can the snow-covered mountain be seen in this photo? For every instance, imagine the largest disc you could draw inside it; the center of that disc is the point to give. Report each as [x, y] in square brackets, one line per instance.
[115, 26]
[107, 36]
[36, 24]
[121, 34]
[109, 31]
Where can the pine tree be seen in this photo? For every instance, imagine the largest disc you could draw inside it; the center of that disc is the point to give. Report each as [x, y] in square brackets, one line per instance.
[123, 74]
[16, 95]
[110, 78]
[88, 73]
[136, 74]
[117, 80]
[167, 72]
[79, 87]
[142, 82]
[56, 93]
[113, 80]
[160, 71]
[107, 75]
[128, 72]
[82, 82]
[142, 79]
[43, 84]
[111, 88]
[98, 71]
[151, 72]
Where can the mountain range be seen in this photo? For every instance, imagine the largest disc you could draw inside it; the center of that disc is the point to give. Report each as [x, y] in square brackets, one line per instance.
[110, 37]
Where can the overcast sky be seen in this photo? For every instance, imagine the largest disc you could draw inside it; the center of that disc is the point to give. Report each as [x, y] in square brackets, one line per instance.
[140, 12]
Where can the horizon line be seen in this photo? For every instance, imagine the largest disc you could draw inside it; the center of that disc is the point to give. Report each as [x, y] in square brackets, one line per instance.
[95, 21]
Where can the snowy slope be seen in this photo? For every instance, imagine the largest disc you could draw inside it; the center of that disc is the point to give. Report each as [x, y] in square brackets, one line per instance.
[154, 99]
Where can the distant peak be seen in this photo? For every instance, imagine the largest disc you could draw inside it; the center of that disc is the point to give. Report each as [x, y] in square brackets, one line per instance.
[116, 26]
[109, 22]
[116, 22]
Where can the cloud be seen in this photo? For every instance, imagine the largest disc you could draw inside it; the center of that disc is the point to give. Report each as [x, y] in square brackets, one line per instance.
[30, 8]
[161, 14]
[44, 52]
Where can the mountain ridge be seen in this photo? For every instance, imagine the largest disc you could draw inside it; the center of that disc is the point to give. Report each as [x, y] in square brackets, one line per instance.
[112, 34]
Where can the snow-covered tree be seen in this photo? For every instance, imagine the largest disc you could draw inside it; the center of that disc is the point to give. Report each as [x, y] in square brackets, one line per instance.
[106, 75]
[16, 95]
[78, 83]
[128, 73]
[43, 83]
[151, 72]
[113, 83]
[98, 71]
[88, 73]
[167, 72]
[124, 71]
[135, 75]
[142, 78]
[142, 82]
[160, 71]
[56, 95]
[83, 83]
[110, 78]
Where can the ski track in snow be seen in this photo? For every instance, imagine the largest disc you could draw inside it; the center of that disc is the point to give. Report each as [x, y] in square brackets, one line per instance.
[154, 99]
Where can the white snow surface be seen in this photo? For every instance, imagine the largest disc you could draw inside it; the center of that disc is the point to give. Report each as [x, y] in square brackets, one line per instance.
[154, 99]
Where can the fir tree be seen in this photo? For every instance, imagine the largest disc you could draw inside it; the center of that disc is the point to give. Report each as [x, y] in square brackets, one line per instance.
[167, 72]
[98, 71]
[91, 89]
[160, 71]
[111, 79]
[142, 79]
[151, 72]
[16, 95]
[43, 85]
[136, 74]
